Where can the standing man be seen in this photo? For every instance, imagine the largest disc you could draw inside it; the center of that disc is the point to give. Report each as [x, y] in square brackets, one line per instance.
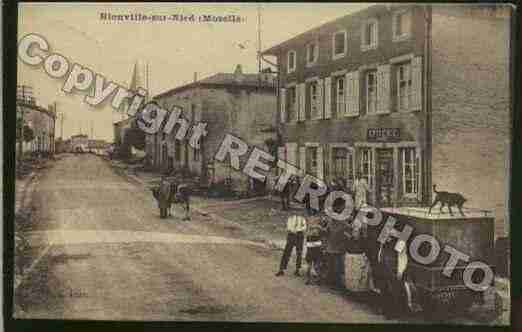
[295, 226]
[335, 250]
[164, 197]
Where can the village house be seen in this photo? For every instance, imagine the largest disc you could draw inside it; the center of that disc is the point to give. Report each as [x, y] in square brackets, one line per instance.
[409, 96]
[236, 103]
[41, 123]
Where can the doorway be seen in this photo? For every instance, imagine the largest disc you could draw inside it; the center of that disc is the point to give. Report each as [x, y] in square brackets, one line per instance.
[384, 177]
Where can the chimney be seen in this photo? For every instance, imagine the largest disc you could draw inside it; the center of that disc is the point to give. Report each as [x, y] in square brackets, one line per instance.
[195, 77]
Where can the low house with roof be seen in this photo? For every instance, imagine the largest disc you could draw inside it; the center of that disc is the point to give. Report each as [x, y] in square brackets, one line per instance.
[229, 103]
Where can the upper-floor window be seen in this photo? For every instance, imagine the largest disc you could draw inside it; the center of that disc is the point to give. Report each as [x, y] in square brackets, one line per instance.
[314, 100]
[312, 53]
[371, 92]
[340, 95]
[291, 61]
[370, 34]
[292, 103]
[401, 25]
[404, 86]
[339, 44]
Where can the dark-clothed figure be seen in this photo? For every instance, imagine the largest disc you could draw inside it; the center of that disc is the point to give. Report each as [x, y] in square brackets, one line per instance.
[335, 251]
[163, 197]
[296, 227]
[314, 248]
[183, 196]
[288, 191]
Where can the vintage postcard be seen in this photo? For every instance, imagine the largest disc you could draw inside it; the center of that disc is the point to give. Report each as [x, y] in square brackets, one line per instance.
[263, 162]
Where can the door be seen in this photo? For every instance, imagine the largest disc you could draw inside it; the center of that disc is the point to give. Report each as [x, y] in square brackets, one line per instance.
[384, 177]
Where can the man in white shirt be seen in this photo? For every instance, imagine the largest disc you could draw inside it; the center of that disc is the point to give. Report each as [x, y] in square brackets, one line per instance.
[296, 227]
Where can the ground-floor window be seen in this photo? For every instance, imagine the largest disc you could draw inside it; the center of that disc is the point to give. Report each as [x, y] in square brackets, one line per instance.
[366, 165]
[342, 165]
[311, 161]
[410, 171]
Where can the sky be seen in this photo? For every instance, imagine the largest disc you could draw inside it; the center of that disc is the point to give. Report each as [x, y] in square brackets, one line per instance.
[174, 50]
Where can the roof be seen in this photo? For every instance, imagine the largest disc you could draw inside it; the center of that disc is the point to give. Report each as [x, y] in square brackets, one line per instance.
[266, 81]
[274, 50]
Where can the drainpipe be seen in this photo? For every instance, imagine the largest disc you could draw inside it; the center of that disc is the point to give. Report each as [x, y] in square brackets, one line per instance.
[427, 68]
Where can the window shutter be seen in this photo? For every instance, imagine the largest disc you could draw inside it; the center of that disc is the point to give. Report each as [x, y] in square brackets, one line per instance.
[416, 77]
[355, 93]
[320, 164]
[348, 94]
[383, 89]
[302, 161]
[320, 104]
[327, 97]
[283, 105]
[301, 106]
[394, 24]
[352, 93]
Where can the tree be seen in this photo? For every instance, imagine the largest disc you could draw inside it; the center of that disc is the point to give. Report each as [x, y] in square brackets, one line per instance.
[28, 131]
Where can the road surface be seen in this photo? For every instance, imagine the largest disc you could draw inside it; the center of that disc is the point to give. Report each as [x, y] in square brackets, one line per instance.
[103, 253]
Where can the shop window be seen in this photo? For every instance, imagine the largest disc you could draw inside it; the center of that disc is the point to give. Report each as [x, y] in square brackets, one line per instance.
[404, 86]
[342, 161]
[367, 165]
[410, 172]
[292, 104]
[314, 106]
[371, 92]
[339, 95]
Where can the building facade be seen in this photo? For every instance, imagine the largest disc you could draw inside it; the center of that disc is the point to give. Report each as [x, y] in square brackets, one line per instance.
[407, 96]
[237, 103]
[41, 122]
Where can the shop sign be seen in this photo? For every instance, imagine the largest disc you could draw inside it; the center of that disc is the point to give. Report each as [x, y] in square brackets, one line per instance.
[383, 134]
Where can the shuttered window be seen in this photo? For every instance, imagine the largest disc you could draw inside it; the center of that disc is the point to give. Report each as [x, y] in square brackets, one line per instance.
[370, 34]
[383, 89]
[315, 112]
[404, 86]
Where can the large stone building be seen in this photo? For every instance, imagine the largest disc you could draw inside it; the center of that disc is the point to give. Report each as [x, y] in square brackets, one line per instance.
[237, 103]
[410, 96]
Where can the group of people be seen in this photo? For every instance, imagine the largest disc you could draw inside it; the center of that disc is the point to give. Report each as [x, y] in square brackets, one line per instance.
[326, 237]
[169, 193]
